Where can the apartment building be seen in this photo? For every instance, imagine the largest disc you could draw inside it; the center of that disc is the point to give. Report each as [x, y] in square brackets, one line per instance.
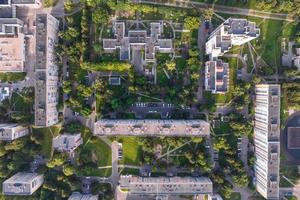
[150, 41]
[22, 183]
[46, 71]
[166, 185]
[29, 3]
[67, 142]
[267, 140]
[78, 196]
[149, 127]
[232, 32]
[12, 45]
[10, 132]
[217, 76]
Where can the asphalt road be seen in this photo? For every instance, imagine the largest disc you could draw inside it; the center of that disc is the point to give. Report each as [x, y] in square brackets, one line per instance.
[223, 9]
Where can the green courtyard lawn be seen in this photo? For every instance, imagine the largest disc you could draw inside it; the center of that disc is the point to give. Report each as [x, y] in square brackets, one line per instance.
[132, 151]
[43, 137]
[126, 171]
[12, 76]
[100, 154]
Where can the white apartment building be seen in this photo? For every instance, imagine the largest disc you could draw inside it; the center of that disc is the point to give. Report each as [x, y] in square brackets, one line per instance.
[29, 3]
[78, 196]
[151, 127]
[127, 39]
[232, 32]
[67, 142]
[267, 140]
[166, 185]
[217, 76]
[22, 183]
[12, 45]
[46, 71]
[10, 132]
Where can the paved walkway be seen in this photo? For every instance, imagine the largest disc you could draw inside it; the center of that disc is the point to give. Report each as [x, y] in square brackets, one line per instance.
[224, 9]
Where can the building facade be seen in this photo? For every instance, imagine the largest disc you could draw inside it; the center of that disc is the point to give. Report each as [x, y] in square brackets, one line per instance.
[216, 76]
[166, 185]
[10, 132]
[67, 142]
[267, 140]
[46, 71]
[149, 127]
[232, 32]
[22, 183]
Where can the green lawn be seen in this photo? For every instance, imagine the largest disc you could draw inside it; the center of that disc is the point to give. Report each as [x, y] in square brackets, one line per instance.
[43, 137]
[132, 151]
[126, 171]
[101, 155]
[12, 76]
[292, 198]
[235, 196]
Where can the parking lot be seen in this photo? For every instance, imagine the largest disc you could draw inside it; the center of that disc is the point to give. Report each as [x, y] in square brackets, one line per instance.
[141, 110]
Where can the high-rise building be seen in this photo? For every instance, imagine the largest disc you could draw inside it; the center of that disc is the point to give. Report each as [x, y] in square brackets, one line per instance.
[267, 140]
[152, 127]
[231, 32]
[46, 71]
[166, 185]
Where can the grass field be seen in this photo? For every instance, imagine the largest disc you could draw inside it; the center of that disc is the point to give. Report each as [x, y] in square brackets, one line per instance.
[43, 137]
[132, 151]
[101, 155]
[235, 196]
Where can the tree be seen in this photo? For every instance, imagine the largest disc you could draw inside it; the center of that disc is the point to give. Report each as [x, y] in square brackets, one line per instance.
[241, 179]
[58, 159]
[100, 16]
[191, 23]
[68, 170]
[171, 65]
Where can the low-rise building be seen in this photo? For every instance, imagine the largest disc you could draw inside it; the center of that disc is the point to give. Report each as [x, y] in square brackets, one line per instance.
[214, 197]
[46, 71]
[267, 140]
[232, 32]
[78, 196]
[67, 142]
[4, 93]
[149, 127]
[22, 183]
[9, 132]
[166, 185]
[12, 45]
[216, 76]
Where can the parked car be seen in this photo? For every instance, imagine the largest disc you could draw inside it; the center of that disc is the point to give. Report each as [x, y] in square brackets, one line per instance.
[207, 24]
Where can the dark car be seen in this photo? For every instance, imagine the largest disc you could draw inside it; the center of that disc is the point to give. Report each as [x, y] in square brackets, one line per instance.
[206, 24]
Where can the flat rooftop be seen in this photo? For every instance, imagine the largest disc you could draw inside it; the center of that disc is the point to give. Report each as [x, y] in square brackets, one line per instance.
[152, 127]
[166, 185]
[12, 53]
[293, 135]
